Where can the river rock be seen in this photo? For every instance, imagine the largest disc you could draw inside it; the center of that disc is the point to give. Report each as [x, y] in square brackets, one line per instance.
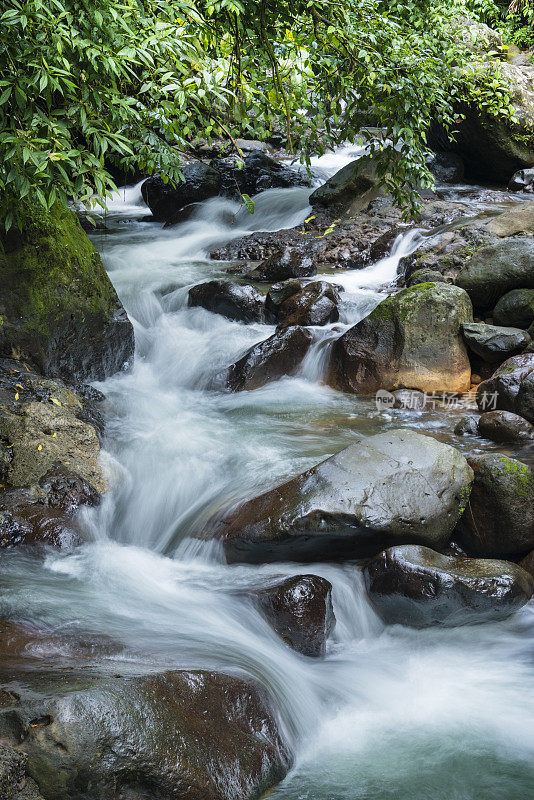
[278, 294]
[501, 390]
[415, 586]
[241, 303]
[300, 610]
[496, 269]
[187, 734]
[258, 173]
[426, 276]
[315, 304]
[14, 782]
[519, 220]
[494, 343]
[515, 308]
[352, 182]
[499, 520]
[284, 264]
[165, 199]
[410, 340]
[274, 358]
[504, 426]
[394, 487]
[58, 308]
[466, 426]
[525, 398]
[522, 181]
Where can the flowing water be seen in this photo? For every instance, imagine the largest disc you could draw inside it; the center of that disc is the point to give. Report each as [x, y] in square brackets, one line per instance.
[390, 713]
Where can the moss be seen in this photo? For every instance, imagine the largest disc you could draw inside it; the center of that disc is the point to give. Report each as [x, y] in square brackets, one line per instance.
[463, 498]
[519, 474]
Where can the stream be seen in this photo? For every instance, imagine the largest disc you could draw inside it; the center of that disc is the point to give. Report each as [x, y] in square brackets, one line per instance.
[390, 713]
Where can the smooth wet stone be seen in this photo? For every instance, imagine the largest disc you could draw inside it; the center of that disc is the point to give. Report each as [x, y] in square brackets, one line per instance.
[499, 520]
[410, 340]
[278, 294]
[496, 269]
[283, 265]
[182, 734]
[504, 426]
[515, 308]
[415, 586]
[258, 173]
[351, 182]
[315, 304]
[231, 300]
[394, 487]
[518, 220]
[501, 390]
[300, 610]
[165, 199]
[494, 343]
[467, 426]
[276, 357]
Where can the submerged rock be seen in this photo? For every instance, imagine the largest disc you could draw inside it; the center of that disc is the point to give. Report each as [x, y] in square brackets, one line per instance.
[187, 734]
[515, 308]
[58, 307]
[494, 343]
[499, 520]
[496, 269]
[300, 610]
[410, 340]
[415, 586]
[394, 487]
[241, 303]
[274, 358]
[284, 264]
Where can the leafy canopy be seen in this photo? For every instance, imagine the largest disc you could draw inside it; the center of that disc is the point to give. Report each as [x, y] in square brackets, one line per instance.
[86, 85]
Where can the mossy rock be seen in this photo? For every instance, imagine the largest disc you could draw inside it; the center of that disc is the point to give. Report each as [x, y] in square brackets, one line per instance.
[496, 269]
[58, 308]
[411, 340]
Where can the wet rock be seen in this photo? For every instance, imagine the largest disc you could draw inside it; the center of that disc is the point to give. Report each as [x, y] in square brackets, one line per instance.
[41, 433]
[515, 308]
[395, 487]
[278, 294]
[501, 390]
[411, 340]
[241, 303]
[258, 173]
[504, 426]
[352, 182]
[383, 245]
[496, 269]
[446, 167]
[519, 220]
[14, 783]
[527, 563]
[499, 520]
[426, 276]
[522, 181]
[284, 264]
[300, 610]
[59, 309]
[166, 199]
[525, 398]
[315, 304]
[494, 343]
[415, 586]
[467, 426]
[274, 358]
[187, 734]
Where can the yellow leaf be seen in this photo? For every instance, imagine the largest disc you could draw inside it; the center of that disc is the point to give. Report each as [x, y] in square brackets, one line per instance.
[27, 367]
[54, 401]
[40, 447]
[19, 386]
[54, 435]
[16, 395]
[310, 218]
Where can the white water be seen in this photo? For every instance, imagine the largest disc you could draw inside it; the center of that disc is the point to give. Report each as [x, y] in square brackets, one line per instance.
[390, 713]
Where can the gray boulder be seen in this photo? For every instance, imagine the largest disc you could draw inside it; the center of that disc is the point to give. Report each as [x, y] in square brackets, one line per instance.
[501, 390]
[515, 308]
[496, 269]
[283, 265]
[504, 426]
[241, 303]
[525, 398]
[394, 487]
[166, 199]
[353, 181]
[494, 343]
[415, 586]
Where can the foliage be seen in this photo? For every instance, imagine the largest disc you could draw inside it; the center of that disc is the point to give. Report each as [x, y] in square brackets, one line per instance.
[515, 19]
[88, 85]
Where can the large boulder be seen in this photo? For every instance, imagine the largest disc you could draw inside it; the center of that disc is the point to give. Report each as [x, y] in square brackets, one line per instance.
[242, 303]
[496, 269]
[515, 308]
[258, 173]
[499, 520]
[184, 734]
[415, 586]
[492, 147]
[58, 308]
[283, 265]
[352, 182]
[494, 343]
[166, 199]
[315, 304]
[395, 487]
[519, 220]
[274, 358]
[501, 390]
[410, 340]
[300, 610]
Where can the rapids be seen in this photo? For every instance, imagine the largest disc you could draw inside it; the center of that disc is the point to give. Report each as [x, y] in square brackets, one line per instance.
[389, 714]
